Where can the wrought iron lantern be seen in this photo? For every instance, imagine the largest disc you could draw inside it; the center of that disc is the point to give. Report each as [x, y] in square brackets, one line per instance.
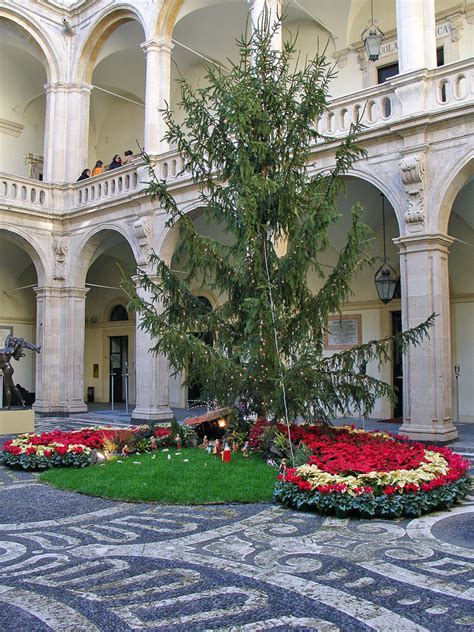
[386, 279]
[372, 36]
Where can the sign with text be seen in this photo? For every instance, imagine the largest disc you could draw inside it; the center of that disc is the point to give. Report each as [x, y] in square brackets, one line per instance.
[390, 47]
[343, 332]
[5, 331]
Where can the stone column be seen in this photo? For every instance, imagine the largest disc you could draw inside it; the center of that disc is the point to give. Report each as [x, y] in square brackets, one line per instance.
[427, 367]
[157, 93]
[416, 36]
[66, 131]
[60, 365]
[152, 381]
[273, 8]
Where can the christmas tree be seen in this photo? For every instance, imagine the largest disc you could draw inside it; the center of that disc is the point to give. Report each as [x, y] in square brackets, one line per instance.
[247, 142]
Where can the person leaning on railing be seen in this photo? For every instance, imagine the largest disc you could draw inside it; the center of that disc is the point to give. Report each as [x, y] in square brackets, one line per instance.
[98, 169]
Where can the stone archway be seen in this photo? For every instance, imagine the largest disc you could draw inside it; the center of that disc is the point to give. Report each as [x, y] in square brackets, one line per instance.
[21, 271]
[112, 63]
[28, 64]
[460, 229]
[102, 259]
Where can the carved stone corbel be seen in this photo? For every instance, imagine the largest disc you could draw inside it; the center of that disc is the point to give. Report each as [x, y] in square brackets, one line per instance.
[341, 57]
[60, 248]
[412, 170]
[362, 59]
[456, 23]
[142, 231]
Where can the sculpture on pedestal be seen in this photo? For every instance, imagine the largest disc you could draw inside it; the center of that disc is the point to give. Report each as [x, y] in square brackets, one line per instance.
[13, 349]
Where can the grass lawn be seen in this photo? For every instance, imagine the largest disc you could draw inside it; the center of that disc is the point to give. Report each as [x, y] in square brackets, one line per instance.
[203, 478]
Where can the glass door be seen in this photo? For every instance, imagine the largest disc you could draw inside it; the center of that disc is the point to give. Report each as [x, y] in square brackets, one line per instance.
[397, 367]
[118, 367]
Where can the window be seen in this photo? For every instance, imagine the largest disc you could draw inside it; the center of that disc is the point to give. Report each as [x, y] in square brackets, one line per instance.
[385, 72]
[440, 56]
[119, 313]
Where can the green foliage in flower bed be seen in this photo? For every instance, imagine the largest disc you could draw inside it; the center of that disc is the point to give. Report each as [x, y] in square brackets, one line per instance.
[204, 478]
[410, 504]
[35, 461]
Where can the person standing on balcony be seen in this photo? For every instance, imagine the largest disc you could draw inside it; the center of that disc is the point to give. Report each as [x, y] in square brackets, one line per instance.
[84, 175]
[98, 169]
[116, 162]
[128, 157]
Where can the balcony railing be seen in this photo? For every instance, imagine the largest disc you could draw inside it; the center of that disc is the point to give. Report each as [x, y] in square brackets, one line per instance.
[379, 107]
[452, 85]
[374, 107]
[111, 185]
[24, 192]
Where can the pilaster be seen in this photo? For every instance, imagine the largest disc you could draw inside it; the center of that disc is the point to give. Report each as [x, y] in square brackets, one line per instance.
[416, 35]
[427, 367]
[152, 387]
[66, 130]
[60, 365]
[157, 93]
[263, 9]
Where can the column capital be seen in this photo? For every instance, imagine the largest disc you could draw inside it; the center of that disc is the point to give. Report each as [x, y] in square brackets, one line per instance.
[162, 44]
[65, 86]
[423, 242]
[51, 291]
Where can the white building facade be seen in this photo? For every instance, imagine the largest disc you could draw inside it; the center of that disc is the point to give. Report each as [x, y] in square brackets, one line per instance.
[84, 80]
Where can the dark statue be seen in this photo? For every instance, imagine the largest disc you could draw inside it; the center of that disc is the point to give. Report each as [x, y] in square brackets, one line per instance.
[13, 349]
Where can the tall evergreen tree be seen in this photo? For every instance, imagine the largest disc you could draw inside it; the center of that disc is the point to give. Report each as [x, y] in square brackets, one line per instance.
[246, 142]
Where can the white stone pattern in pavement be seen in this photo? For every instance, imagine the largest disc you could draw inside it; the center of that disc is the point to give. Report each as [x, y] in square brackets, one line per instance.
[71, 562]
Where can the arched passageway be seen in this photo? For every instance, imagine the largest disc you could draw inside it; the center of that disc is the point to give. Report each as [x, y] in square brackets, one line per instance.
[109, 341]
[18, 278]
[23, 103]
[461, 287]
[117, 103]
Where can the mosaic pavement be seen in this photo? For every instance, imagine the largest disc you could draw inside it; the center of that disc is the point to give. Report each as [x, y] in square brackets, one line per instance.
[72, 562]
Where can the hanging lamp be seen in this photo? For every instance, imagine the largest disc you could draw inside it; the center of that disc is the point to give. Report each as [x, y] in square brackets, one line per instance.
[386, 279]
[372, 36]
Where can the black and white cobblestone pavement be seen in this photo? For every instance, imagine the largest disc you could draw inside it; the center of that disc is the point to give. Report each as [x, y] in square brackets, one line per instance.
[72, 562]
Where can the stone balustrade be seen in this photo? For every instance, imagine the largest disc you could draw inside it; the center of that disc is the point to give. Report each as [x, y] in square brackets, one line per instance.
[373, 107]
[24, 192]
[170, 167]
[452, 85]
[111, 185]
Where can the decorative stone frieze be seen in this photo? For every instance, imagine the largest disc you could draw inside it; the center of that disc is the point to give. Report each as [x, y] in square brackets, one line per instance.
[415, 213]
[60, 248]
[412, 169]
[142, 229]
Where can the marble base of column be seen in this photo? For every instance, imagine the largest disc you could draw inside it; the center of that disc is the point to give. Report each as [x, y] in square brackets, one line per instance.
[51, 410]
[160, 413]
[437, 434]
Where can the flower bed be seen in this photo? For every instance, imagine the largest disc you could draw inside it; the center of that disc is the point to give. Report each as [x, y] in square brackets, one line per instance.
[77, 449]
[371, 474]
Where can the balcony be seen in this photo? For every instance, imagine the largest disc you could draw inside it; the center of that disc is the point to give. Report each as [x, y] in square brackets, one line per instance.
[445, 91]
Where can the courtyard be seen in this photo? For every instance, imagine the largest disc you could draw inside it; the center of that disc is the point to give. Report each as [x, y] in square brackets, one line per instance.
[74, 562]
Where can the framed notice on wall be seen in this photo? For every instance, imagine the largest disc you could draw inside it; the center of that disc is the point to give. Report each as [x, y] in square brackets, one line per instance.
[343, 332]
[5, 331]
